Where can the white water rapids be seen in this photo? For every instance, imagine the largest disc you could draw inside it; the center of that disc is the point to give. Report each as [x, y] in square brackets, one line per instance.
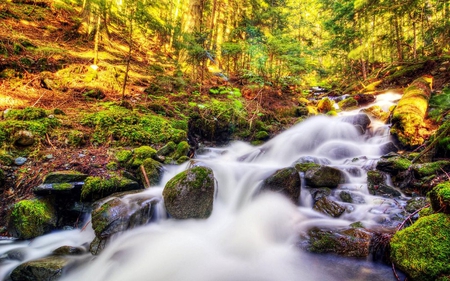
[248, 236]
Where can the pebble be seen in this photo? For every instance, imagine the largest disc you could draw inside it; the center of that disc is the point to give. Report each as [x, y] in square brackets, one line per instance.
[19, 161]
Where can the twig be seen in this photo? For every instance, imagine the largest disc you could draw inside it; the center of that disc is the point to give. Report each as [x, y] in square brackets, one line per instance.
[38, 99]
[448, 177]
[395, 272]
[410, 216]
[84, 227]
[145, 176]
[49, 142]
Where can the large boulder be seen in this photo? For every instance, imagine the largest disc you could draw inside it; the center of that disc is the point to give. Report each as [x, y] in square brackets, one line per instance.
[49, 269]
[320, 175]
[190, 194]
[408, 117]
[285, 181]
[360, 121]
[393, 164]
[32, 218]
[422, 250]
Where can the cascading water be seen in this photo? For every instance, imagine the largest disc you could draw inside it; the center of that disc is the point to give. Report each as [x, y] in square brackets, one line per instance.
[248, 236]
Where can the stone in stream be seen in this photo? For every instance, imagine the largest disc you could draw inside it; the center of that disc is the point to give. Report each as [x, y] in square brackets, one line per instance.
[326, 206]
[190, 194]
[285, 181]
[48, 268]
[360, 121]
[120, 212]
[376, 184]
[320, 176]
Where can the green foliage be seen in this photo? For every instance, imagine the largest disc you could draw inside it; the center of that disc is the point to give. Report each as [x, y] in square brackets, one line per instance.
[123, 155]
[348, 103]
[422, 250]
[26, 114]
[440, 197]
[142, 153]
[325, 105]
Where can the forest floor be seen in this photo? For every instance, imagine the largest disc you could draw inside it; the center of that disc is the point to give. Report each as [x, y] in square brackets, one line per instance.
[45, 61]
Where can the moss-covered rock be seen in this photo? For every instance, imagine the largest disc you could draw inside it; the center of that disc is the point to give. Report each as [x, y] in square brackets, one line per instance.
[377, 112]
[95, 188]
[182, 150]
[26, 114]
[190, 194]
[325, 105]
[167, 149]
[48, 268]
[422, 250]
[393, 164]
[408, 116]
[285, 181]
[142, 153]
[376, 184]
[430, 168]
[348, 103]
[64, 177]
[320, 175]
[123, 155]
[440, 198]
[32, 218]
[328, 207]
[351, 242]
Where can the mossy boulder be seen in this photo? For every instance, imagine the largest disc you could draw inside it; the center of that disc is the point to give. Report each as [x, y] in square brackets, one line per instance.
[393, 164]
[430, 168]
[325, 105]
[348, 103]
[181, 150]
[440, 198]
[377, 112]
[142, 153]
[123, 155]
[48, 268]
[153, 170]
[167, 149]
[422, 250]
[190, 194]
[64, 177]
[32, 218]
[285, 181]
[408, 117]
[351, 242]
[320, 175]
[95, 188]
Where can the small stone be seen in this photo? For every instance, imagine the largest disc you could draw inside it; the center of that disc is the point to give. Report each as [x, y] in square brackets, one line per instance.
[24, 138]
[19, 161]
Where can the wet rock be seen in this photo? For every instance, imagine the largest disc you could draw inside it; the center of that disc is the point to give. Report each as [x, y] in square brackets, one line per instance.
[64, 177]
[327, 206]
[312, 159]
[361, 121]
[73, 188]
[18, 254]
[69, 250]
[388, 147]
[415, 204]
[190, 194]
[364, 98]
[24, 138]
[321, 176]
[346, 196]
[351, 242]
[377, 113]
[431, 168]
[49, 268]
[285, 181]
[317, 193]
[376, 184]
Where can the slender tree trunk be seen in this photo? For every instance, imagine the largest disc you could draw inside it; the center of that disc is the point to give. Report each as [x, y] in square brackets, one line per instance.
[130, 48]
[97, 39]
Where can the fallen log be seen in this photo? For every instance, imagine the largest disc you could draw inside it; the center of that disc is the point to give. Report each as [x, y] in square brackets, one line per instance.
[408, 117]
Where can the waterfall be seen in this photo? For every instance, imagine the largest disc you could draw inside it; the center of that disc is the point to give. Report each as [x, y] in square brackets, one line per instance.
[249, 236]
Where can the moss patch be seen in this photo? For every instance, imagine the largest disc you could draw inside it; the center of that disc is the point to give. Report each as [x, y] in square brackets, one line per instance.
[440, 198]
[423, 249]
[95, 188]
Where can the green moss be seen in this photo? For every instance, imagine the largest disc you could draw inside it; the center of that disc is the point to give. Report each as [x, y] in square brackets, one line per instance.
[31, 218]
[62, 186]
[64, 177]
[195, 178]
[183, 159]
[262, 135]
[95, 188]
[426, 212]
[127, 127]
[348, 103]
[39, 127]
[26, 114]
[440, 197]
[431, 168]
[303, 167]
[182, 150]
[112, 166]
[422, 250]
[153, 169]
[142, 153]
[5, 158]
[167, 149]
[123, 156]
